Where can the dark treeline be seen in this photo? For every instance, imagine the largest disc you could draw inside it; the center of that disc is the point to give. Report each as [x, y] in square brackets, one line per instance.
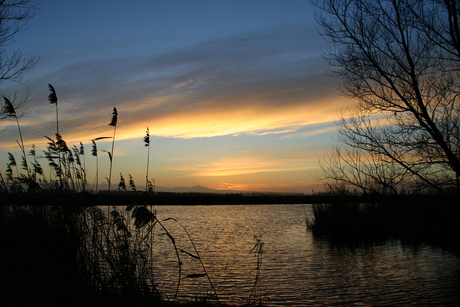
[256, 198]
[253, 198]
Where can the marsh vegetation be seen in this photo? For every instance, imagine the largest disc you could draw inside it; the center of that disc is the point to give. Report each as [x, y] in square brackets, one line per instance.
[70, 244]
[75, 249]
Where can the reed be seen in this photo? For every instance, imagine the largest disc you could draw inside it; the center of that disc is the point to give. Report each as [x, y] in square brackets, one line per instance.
[101, 254]
[52, 98]
[131, 183]
[431, 219]
[94, 154]
[198, 257]
[112, 123]
[93, 251]
[350, 221]
[39, 265]
[147, 144]
[9, 111]
[109, 252]
[37, 168]
[113, 257]
[256, 296]
[68, 169]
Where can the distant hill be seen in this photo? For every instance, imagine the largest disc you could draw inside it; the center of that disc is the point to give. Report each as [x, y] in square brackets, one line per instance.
[194, 189]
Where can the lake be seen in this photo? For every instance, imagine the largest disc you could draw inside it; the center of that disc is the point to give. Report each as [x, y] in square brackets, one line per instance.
[296, 268]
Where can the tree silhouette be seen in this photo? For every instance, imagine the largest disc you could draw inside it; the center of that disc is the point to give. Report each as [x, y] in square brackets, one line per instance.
[13, 17]
[13, 63]
[400, 60]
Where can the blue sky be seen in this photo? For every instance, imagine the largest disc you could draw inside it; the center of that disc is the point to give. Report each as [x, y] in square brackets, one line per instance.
[235, 93]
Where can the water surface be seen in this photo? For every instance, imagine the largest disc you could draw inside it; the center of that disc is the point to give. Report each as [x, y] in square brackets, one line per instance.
[298, 270]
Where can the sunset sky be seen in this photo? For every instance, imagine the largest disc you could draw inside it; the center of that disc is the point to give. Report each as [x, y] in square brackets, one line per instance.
[235, 93]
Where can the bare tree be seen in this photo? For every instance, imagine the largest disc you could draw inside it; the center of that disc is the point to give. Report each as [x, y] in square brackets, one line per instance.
[400, 59]
[13, 17]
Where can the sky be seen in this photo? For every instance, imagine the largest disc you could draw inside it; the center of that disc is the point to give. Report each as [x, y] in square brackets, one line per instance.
[236, 94]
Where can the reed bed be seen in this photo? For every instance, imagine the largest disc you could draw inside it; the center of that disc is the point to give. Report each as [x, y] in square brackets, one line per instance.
[66, 250]
[418, 219]
[68, 244]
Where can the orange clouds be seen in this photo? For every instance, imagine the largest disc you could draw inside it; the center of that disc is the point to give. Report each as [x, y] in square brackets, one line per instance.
[214, 120]
[245, 166]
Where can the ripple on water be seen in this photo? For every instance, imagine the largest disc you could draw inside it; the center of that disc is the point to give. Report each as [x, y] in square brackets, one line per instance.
[297, 270]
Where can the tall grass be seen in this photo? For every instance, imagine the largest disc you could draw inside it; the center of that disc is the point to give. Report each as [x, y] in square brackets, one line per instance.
[91, 249]
[9, 111]
[38, 261]
[94, 154]
[147, 144]
[416, 219]
[114, 258]
[112, 123]
[347, 220]
[52, 98]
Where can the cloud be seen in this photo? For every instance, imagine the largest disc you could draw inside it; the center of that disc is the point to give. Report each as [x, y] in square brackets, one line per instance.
[258, 82]
[256, 161]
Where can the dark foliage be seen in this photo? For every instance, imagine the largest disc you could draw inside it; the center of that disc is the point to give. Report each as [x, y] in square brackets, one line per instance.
[421, 219]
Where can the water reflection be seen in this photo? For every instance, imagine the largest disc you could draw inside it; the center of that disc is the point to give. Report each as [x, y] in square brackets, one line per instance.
[385, 274]
[297, 269]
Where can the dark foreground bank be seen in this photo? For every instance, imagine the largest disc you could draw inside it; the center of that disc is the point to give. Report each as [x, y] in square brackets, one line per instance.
[58, 247]
[62, 249]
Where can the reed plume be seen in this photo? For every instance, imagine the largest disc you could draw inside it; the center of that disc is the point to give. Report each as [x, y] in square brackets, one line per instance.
[79, 172]
[94, 154]
[147, 144]
[81, 152]
[10, 164]
[9, 111]
[131, 183]
[37, 168]
[122, 184]
[52, 98]
[113, 123]
[50, 155]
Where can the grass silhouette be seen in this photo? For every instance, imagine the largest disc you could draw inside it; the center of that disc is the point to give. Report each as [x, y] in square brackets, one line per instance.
[113, 123]
[70, 246]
